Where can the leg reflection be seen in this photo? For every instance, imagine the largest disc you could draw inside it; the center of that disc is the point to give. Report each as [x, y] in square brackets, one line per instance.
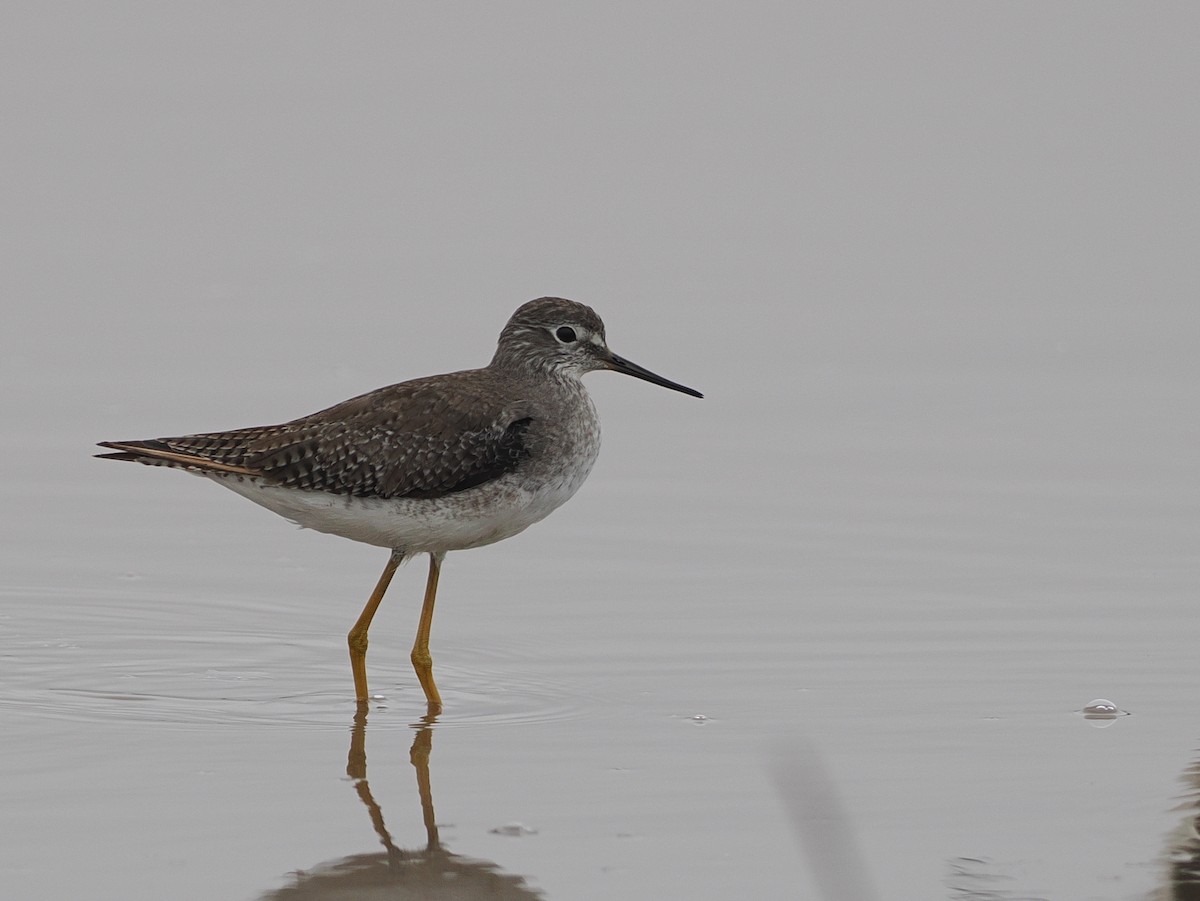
[432, 873]
[356, 769]
[418, 755]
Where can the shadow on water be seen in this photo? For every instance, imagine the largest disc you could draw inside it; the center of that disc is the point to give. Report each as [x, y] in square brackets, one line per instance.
[1182, 854]
[432, 873]
[825, 833]
[839, 867]
[807, 792]
[983, 879]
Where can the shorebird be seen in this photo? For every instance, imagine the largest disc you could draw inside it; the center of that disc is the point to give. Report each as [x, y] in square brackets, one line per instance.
[428, 466]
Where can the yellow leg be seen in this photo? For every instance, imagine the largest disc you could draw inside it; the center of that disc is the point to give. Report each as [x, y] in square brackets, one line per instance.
[357, 639]
[421, 660]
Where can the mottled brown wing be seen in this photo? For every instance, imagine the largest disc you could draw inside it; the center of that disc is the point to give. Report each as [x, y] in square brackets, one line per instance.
[419, 439]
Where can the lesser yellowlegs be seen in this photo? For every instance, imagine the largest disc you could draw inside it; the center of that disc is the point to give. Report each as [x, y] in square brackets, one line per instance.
[432, 465]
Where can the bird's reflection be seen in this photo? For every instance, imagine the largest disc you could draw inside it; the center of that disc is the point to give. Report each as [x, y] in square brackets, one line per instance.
[432, 873]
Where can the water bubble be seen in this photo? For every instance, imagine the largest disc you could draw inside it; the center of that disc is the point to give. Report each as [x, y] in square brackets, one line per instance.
[514, 829]
[1102, 713]
[1101, 709]
[699, 718]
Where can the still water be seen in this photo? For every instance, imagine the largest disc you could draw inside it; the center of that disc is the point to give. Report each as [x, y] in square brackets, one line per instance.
[856, 665]
[824, 634]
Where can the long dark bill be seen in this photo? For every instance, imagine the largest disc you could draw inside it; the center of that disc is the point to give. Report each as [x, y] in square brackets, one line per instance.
[620, 364]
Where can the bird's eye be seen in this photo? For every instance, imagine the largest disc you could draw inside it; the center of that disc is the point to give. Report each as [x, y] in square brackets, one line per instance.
[565, 334]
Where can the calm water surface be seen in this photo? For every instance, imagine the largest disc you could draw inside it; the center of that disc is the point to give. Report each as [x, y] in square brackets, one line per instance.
[663, 694]
[824, 634]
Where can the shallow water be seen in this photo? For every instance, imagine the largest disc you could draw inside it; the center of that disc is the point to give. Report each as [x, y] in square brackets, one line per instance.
[650, 690]
[826, 633]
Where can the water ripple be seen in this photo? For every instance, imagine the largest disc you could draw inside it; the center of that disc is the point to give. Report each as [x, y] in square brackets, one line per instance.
[119, 657]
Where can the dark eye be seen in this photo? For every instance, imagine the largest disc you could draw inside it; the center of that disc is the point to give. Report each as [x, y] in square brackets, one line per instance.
[565, 334]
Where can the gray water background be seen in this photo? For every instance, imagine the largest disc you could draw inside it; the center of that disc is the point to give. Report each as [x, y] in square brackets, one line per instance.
[933, 264]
